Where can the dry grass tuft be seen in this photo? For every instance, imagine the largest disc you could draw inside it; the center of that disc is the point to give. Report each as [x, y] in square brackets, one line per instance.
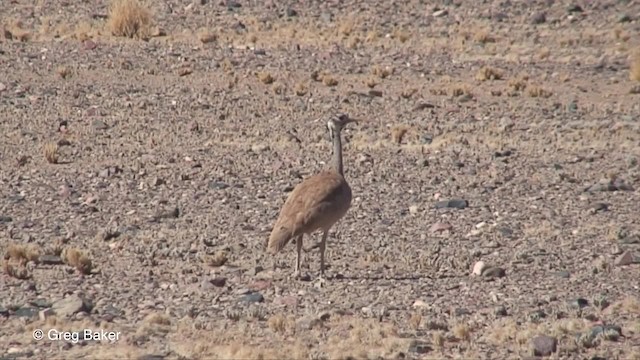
[300, 89]
[460, 90]
[634, 67]
[278, 323]
[78, 259]
[217, 260]
[371, 82]
[16, 31]
[402, 35]
[519, 83]
[64, 72]
[398, 132]
[206, 36]
[488, 73]
[415, 320]
[538, 92]
[329, 80]
[22, 253]
[438, 338]
[381, 72]
[278, 88]
[408, 93]
[483, 37]
[462, 332]
[15, 270]
[265, 77]
[51, 152]
[129, 18]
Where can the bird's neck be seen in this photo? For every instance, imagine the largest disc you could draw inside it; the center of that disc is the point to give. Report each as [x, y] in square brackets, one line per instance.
[337, 153]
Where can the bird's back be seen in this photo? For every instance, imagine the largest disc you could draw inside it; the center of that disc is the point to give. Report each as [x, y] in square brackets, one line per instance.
[316, 203]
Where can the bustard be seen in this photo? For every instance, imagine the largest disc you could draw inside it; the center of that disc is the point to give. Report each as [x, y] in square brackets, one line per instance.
[317, 203]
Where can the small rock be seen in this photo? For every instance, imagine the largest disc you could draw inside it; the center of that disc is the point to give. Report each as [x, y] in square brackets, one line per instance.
[626, 258]
[453, 204]
[27, 311]
[291, 12]
[479, 268]
[157, 181]
[99, 125]
[46, 313]
[440, 226]
[260, 285]
[544, 345]
[5, 219]
[171, 214]
[254, 297]
[50, 260]
[578, 303]
[420, 304]
[537, 315]
[218, 282]
[29, 286]
[40, 303]
[562, 274]
[3, 87]
[574, 8]
[70, 305]
[89, 45]
[609, 332]
[418, 347]
[258, 148]
[290, 301]
[494, 272]
[106, 234]
[500, 311]
[440, 13]
[624, 18]
[539, 18]
[413, 209]
[218, 185]
[308, 322]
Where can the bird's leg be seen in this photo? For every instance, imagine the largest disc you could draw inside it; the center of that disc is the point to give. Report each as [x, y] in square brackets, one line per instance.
[298, 255]
[323, 246]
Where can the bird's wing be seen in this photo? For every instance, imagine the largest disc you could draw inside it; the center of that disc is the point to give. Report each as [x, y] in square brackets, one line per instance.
[304, 207]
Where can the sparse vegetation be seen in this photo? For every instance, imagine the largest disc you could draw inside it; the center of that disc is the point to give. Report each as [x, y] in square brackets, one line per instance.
[488, 73]
[129, 18]
[329, 80]
[218, 259]
[300, 89]
[22, 253]
[51, 152]
[265, 77]
[64, 72]
[78, 259]
[381, 72]
[536, 91]
[398, 132]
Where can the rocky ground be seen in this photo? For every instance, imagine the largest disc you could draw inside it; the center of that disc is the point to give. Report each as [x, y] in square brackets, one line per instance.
[146, 151]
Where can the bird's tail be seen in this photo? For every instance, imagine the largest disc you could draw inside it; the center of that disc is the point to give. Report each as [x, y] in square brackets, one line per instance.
[280, 236]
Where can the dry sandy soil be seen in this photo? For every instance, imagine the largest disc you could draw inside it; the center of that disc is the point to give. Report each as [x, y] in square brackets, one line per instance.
[146, 150]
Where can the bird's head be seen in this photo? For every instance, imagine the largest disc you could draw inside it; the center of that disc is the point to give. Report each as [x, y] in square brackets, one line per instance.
[337, 122]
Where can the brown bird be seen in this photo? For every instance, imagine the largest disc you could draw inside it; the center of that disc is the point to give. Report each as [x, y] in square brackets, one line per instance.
[317, 203]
